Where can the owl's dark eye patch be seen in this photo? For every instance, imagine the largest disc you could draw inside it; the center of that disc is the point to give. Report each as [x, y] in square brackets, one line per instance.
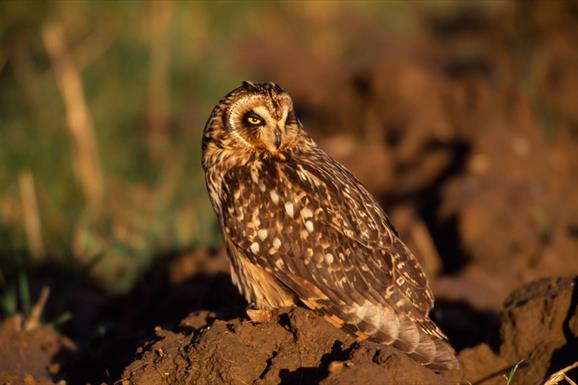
[251, 119]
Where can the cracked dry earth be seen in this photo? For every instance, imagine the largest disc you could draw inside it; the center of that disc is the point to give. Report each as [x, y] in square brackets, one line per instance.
[539, 325]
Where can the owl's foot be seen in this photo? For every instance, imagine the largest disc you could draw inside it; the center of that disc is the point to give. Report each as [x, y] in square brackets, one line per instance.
[259, 315]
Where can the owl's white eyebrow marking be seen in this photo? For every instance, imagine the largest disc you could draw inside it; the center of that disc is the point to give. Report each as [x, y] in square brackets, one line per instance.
[234, 107]
[264, 113]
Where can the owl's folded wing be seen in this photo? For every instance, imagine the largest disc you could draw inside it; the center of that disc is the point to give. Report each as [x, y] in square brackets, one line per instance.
[328, 241]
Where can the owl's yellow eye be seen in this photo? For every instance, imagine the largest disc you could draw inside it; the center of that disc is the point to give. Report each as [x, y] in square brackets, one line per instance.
[253, 120]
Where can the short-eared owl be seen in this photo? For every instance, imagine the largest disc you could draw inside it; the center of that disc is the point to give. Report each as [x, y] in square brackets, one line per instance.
[299, 228]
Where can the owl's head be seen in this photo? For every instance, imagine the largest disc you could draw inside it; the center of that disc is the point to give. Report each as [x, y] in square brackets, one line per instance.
[256, 117]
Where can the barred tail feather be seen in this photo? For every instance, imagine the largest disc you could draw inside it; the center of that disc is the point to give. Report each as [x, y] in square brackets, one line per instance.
[420, 339]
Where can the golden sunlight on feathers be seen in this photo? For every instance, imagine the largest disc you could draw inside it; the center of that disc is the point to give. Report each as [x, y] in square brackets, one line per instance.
[299, 228]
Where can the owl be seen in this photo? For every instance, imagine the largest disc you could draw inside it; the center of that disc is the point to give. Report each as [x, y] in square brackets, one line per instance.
[300, 229]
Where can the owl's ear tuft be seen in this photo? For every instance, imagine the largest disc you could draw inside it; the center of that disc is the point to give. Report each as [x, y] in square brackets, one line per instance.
[276, 87]
[249, 84]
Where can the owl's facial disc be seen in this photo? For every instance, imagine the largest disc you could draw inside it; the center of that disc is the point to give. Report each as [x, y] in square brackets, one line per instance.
[262, 124]
[272, 132]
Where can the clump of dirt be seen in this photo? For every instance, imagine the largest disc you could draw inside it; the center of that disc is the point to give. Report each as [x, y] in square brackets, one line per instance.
[470, 127]
[539, 328]
[514, 208]
[467, 135]
[31, 356]
[297, 346]
[538, 331]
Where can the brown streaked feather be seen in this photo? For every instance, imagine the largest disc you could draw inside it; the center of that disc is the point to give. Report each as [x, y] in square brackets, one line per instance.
[256, 284]
[347, 263]
[299, 226]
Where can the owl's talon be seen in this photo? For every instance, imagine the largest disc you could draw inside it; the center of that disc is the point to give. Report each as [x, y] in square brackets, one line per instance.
[259, 315]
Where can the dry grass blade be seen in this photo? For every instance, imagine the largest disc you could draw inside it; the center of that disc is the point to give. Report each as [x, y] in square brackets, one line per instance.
[34, 319]
[560, 375]
[30, 214]
[158, 92]
[86, 156]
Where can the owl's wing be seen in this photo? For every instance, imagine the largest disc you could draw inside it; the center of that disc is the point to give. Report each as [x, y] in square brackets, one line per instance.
[316, 229]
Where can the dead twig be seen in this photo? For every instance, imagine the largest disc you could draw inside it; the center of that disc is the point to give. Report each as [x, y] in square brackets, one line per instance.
[34, 319]
[561, 375]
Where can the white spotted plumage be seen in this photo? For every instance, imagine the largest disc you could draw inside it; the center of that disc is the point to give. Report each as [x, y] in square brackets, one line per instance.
[299, 228]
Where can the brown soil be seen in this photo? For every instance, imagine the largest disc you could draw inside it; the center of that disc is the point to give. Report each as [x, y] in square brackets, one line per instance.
[539, 325]
[539, 328]
[473, 152]
[31, 356]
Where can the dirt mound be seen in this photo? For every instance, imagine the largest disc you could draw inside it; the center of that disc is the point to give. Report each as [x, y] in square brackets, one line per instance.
[296, 347]
[515, 212]
[466, 133]
[31, 356]
[480, 143]
[539, 328]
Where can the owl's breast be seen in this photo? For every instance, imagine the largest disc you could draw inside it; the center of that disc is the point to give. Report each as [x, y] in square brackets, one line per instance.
[249, 197]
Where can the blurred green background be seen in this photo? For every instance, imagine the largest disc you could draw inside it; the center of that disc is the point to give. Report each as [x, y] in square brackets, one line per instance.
[459, 116]
[102, 105]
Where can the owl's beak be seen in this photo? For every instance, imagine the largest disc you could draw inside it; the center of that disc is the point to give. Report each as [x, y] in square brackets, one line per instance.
[277, 137]
[272, 138]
